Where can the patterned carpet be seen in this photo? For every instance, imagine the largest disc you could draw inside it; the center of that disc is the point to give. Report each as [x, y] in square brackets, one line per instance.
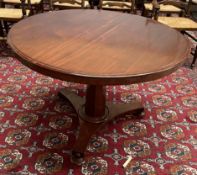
[38, 129]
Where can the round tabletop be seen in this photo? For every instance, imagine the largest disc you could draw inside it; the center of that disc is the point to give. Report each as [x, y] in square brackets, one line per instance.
[98, 47]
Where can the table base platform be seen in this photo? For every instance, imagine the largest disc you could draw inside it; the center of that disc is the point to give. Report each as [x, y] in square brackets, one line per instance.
[94, 112]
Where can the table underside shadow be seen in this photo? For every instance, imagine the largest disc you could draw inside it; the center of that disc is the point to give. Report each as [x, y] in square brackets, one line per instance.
[94, 112]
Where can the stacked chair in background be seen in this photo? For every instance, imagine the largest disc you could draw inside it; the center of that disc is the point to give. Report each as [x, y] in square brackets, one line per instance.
[192, 7]
[69, 4]
[182, 22]
[118, 5]
[35, 6]
[167, 8]
[115, 5]
[10, 14]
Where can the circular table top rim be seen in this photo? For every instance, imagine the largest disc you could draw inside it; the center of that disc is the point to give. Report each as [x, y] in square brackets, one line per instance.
[83, 78]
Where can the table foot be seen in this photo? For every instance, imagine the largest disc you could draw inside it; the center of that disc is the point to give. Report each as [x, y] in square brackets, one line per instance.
[86, 130]
[77, 158]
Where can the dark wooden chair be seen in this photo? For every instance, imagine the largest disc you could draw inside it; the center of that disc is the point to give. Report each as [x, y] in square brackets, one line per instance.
[10, 15]
[166, 7]
[194, 51]
[184, 24]
[69, 4]
[118, 5]
[36, 5]
[191, 6]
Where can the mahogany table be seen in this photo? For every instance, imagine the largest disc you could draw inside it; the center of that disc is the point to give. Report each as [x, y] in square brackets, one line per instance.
[97, 48]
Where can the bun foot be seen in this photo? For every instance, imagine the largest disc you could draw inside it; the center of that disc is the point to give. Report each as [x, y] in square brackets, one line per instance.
[77, 158]
[139, 113]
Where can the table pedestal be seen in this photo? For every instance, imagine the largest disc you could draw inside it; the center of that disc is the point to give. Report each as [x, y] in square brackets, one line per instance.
[93, 113]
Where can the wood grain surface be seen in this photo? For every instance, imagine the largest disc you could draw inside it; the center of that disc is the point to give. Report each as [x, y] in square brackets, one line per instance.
[98, 47]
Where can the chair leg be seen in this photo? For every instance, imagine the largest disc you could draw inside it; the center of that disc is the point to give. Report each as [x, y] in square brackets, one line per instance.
[194, 58]
[1, 29]
[3, 43]
[144, 12]
[6, 27]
